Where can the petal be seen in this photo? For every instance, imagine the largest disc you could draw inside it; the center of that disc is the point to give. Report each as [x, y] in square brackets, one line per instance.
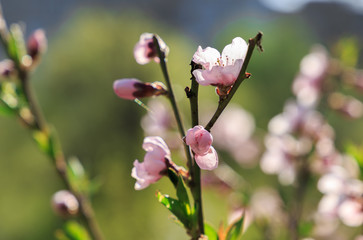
[143, 178]
[150, 143]
[208, 161]
[236, 50]
[206, 57]
[124, 88]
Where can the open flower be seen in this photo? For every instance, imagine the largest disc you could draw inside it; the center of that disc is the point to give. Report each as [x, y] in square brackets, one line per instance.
[220, 70]
[131, 88]
[200, 141]
[145, 50]
[151, 170]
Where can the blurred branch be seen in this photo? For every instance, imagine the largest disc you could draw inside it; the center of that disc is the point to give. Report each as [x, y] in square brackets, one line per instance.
[39, 124]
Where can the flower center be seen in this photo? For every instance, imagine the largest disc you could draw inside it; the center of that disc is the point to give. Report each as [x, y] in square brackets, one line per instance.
[222, 63]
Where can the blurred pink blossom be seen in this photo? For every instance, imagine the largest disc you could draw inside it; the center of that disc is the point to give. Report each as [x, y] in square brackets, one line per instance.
[150, 171]
[342, 197]
[233, 132]
[220, 70]
[145, 50]
[200, 141]
[308, 84]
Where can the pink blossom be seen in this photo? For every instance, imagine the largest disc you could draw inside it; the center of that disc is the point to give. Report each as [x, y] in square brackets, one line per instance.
[150, 171]
[220, 70]
[145, 50]
[200, 141]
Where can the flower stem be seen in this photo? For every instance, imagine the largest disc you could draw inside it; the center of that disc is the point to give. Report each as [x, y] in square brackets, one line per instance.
[241, 77]
[171, 97]
[195, 185]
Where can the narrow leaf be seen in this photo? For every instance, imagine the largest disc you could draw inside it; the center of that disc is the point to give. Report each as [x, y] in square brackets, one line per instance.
[72, 231]
[235, 230]
[210, 232]
[175, 207]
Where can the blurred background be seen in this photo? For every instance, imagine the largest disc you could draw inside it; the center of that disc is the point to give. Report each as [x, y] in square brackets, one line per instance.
[90, 44]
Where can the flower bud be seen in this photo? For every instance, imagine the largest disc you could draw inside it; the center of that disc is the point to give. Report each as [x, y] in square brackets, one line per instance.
[37, 44]
[145, 50]
[65, 204]
[200, 141]
[131, 88]
[6, 68]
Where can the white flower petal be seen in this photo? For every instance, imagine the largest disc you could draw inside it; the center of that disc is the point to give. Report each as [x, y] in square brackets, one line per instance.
[206, 57]
[208, 161]
[236, 50]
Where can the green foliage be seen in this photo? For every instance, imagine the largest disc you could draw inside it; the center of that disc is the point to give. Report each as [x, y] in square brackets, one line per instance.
[357, 153]
[77, 176]
[16, 45]
[210, 232]
[236, 229]
[176, 207]
[72, 231]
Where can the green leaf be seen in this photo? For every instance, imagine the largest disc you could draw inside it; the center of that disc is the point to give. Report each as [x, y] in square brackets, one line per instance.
[43, 140]
[305, 229]
[77, 176]
[177, 208]
[5, 110]
[72, 231]
[357, 153]
[210, 232]
[235, 230]
[182, 194]
[173, 176]
[16, 44]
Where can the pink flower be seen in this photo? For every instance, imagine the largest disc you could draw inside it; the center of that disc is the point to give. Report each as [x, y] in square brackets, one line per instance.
[131, 88]
[145, 50]
[220, 70]
[151, 170]
[200, 141]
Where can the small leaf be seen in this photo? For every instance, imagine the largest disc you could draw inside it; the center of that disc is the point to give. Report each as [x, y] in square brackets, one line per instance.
[175, 207]
[235, 229]
[5, 110]
[210, 232]
[42, 138]
[173, 176]
[182, 194]
[72, 231]
[77, 176]
[16, 44]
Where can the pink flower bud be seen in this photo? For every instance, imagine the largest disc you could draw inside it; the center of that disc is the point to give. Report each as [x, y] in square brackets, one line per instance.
[37, 43]
[154, 165]
[131, 88]
[209, 161]
[200, 141]
[65, 204]
[145, 50]
[6, 68]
